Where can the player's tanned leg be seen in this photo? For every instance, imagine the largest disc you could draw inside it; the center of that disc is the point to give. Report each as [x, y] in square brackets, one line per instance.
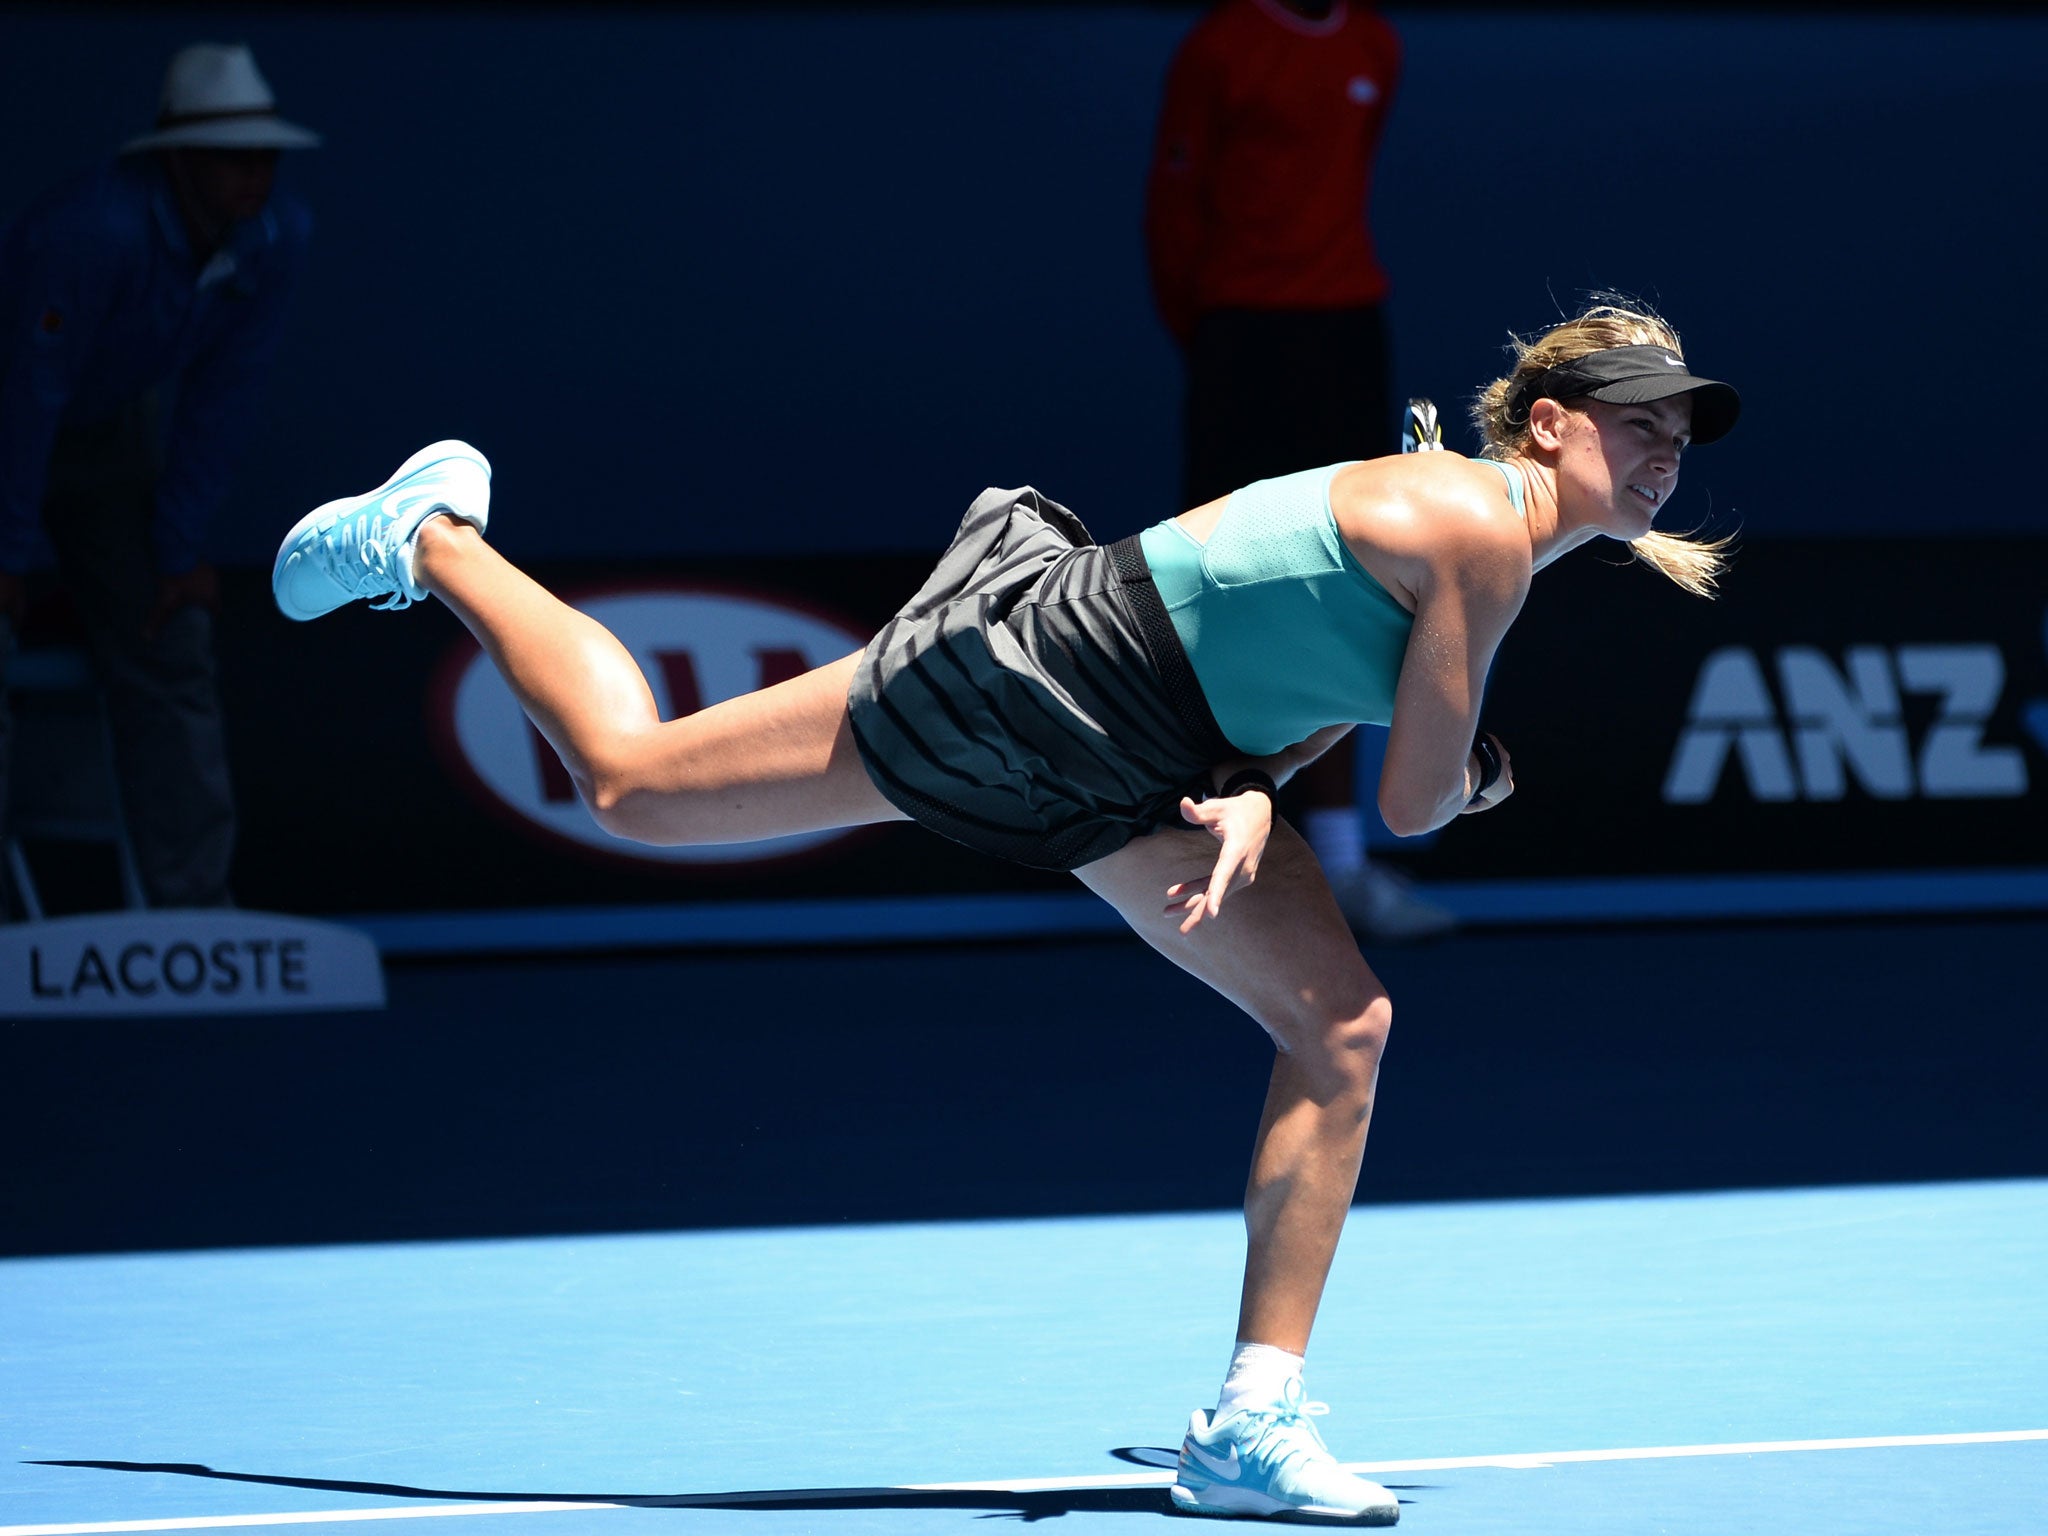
[762, 765]
[1282, 952]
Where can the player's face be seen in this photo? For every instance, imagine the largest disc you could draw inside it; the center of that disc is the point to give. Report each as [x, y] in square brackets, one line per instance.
[1622, 461]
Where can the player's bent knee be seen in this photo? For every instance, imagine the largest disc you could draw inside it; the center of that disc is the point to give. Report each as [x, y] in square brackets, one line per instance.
[1344, 1054]
[1365, 1032]
[611, 775]
[613, 811]
[1359, 1040]
[604, 790]
[642, 815]
[618, 802]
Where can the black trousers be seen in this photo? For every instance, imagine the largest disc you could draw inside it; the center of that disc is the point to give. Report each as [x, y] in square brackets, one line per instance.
[162, 697]
[1273, 391]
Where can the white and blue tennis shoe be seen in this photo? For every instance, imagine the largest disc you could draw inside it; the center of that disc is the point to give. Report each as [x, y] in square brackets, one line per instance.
[362, 546]
[1269, 1463]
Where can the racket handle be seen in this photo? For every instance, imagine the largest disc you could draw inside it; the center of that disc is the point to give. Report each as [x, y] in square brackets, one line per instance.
[1422, 433]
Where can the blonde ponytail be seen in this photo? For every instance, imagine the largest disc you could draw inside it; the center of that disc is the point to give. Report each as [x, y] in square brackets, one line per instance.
[1695, 564]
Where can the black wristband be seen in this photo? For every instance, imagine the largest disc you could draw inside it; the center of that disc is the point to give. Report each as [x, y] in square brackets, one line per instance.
[1250, 778]
[1489, 766]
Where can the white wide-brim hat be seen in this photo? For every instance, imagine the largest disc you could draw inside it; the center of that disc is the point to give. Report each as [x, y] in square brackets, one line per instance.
[216, 98]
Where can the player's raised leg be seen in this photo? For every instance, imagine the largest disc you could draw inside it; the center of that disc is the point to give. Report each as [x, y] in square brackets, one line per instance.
[763, 765]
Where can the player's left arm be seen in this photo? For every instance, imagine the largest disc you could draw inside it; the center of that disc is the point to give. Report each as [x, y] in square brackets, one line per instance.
[1242, 823]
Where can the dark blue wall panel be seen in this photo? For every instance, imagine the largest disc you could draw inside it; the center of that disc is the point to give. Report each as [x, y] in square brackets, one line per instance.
[705, 281]
[704, 1090]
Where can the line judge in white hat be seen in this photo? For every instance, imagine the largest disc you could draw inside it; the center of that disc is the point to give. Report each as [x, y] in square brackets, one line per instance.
[141, 307]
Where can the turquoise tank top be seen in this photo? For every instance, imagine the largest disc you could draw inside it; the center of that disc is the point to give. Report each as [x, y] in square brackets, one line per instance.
[1286, 631]
[1517, 491]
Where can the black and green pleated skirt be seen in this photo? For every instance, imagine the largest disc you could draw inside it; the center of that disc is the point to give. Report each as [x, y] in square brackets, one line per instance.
[1032, 700]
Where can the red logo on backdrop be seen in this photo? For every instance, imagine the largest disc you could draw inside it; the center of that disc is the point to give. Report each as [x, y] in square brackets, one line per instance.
[697, 645]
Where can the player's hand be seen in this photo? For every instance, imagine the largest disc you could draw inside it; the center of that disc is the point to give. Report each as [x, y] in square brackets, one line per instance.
[1501, 787]
[1242, 823]
[196, 588]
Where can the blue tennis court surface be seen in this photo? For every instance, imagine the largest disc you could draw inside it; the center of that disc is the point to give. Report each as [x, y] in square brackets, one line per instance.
[802, 1379]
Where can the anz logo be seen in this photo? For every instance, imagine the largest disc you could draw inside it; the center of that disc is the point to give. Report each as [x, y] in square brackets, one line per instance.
[1844, 724]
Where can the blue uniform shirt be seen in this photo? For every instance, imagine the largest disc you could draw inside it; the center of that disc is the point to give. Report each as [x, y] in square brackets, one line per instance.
[101, 299]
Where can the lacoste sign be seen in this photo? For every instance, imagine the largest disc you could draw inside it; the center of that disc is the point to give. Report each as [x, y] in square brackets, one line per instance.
[184, 961]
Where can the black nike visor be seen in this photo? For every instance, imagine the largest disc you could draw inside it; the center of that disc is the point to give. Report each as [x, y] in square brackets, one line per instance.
[1633, 376]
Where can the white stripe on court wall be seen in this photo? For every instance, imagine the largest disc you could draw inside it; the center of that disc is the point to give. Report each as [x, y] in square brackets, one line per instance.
[1523, 1460]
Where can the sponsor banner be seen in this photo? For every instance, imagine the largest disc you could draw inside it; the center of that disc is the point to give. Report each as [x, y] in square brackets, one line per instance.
[1866, 705]
[184, 961]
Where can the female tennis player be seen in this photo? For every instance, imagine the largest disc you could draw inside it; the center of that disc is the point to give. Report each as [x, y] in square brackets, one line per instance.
[1125, 713]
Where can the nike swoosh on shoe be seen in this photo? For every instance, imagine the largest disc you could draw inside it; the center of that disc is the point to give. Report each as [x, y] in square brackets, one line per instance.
[1226, 1470]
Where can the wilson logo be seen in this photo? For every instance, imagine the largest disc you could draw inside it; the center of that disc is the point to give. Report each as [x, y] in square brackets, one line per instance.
[697, 646]
[1846, 724]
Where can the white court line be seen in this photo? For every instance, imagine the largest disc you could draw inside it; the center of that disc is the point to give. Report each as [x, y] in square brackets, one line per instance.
[1522, 1460]
[300, 1517]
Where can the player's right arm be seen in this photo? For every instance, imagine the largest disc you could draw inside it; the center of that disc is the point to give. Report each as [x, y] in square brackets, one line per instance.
[1468, 585]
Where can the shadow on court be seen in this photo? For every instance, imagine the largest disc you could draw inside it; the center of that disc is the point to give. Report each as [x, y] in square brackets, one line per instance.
[1027, 1505]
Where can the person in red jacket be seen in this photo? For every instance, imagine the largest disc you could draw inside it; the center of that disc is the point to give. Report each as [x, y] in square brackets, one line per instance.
[1264, 270]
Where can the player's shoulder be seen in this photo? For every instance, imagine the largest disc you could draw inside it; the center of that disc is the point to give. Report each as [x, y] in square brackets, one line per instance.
[1471, 522]
[1447, 482]
[1428, 505]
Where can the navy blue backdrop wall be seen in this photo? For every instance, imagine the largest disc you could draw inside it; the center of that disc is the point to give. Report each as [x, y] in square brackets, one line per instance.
[715, 281]
[718, 289]
[766, 298]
